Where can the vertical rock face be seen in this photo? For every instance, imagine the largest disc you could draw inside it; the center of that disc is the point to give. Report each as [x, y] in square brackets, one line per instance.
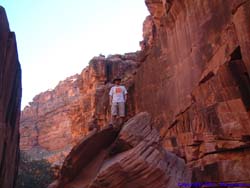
[148, 33]
[10, 99]
[194, 80]
[58, 118]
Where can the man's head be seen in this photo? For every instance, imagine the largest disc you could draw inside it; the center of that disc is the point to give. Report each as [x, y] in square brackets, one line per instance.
[117, 81]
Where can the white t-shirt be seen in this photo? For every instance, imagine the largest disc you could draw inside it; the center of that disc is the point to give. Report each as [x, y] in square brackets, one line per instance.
[118, 93]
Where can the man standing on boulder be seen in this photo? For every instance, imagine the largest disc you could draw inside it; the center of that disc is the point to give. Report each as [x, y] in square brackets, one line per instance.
[117, 100]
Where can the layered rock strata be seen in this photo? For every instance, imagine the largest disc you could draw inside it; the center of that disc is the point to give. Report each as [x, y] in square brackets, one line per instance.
[134, 159]
[198, 69]
[57, 119]
[10, 100]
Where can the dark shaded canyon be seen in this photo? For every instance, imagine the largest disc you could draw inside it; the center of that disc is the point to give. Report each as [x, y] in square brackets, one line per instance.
[10, 100]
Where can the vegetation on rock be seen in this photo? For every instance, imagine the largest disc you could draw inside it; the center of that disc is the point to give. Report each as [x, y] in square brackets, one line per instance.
[33, 173]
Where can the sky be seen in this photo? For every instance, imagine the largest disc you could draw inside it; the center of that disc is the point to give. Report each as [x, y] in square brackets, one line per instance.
[57, 38]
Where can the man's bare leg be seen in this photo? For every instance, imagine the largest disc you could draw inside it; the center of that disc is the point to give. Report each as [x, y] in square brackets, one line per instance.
[120, 121]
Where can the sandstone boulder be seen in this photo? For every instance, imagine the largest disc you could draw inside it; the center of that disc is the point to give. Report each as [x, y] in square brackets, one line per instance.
[134, 158]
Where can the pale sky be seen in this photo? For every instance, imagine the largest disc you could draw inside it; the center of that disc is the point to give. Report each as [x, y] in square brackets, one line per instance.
[57, 38]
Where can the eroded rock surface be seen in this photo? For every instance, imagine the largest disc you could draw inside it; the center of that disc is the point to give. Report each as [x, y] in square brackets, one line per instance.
[57, 119]
[10, 100]
[135, 158]
[194, 80]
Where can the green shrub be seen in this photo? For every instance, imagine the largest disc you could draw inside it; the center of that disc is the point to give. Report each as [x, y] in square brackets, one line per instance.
[33, 173]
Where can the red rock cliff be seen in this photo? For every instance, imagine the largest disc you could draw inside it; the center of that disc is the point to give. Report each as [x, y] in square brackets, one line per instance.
[58, 118]
[194, 81]
[10, 99]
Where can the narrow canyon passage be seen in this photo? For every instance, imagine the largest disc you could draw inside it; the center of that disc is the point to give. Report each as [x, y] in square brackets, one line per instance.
[187, 113]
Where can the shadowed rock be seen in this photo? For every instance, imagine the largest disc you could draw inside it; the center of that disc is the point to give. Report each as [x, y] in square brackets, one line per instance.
[10, 100]
[135, 159]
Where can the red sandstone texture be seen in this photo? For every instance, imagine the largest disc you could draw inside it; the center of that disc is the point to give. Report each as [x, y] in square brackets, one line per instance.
[134, 158]
[10, 100]
[57, 119]
[193, 80]
[198, 67]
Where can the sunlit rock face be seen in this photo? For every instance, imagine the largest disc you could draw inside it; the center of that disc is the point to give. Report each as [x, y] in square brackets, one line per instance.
[10, 100]
[194, 81]
[57, 119]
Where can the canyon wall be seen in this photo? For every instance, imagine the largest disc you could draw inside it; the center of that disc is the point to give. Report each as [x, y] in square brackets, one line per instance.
[57, 119]
[10, 100]
[192, 77]
[194, 81]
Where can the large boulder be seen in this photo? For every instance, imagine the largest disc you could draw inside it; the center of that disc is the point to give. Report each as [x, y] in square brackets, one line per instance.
[133, 158]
